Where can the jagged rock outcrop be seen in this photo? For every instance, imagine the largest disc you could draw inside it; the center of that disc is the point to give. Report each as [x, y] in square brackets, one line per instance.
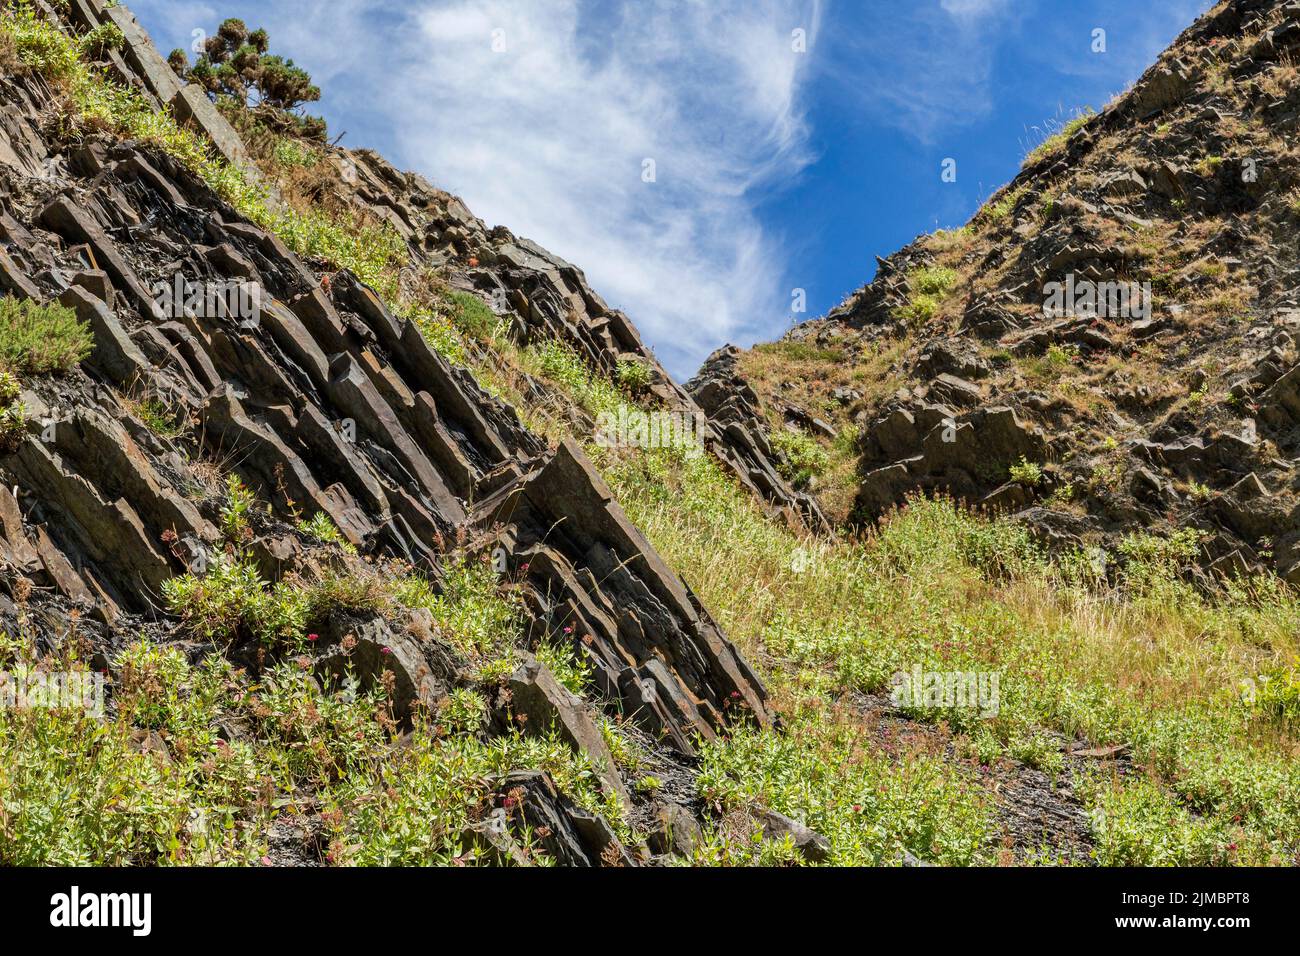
[732, 410]
[543, 297]
[324, 403]
[592, 575]
[1121, 315]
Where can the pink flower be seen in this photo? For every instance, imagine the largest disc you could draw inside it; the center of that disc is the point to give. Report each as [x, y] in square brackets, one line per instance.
[385, 650]
[313, 637]
[568, 630]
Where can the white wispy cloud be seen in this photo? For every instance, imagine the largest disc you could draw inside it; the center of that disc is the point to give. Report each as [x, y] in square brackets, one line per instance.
[929, 72]
[548, 134]
[972, 9]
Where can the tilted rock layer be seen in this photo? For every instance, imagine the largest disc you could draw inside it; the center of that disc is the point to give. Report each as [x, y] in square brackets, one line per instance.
[324, 402]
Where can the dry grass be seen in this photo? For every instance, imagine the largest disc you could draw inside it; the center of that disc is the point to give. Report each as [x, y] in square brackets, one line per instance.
[9, 59]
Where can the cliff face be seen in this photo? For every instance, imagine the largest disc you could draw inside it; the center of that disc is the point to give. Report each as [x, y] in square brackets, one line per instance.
[225, 368]
[1109, 345]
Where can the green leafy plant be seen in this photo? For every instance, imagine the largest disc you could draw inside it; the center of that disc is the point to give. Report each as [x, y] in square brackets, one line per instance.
[1027, 473]
[105, 37]
[632, 376]
[39, 339]
[156, 415]
[1278, 695]
[235, 512]
[929, 285]
[231, 601]
[323, 529]
[293, 152]
[802, 459]
[563, 662]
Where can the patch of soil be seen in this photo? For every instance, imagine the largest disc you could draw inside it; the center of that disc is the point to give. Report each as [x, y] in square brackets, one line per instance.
[1040, 817]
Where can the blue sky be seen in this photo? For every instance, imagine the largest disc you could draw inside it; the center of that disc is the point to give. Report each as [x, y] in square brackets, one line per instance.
[774, 169]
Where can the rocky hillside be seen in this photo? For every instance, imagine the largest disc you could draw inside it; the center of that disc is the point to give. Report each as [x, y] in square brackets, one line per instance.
[955, 369]
[311, 480]
[338, 527]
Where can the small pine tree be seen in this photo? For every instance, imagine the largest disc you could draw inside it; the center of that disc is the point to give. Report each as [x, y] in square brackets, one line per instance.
[236, 65]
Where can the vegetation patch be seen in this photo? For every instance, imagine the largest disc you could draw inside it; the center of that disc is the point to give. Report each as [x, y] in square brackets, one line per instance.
[1055, 143]
[40, 339]
[930, 287]
[802, 458]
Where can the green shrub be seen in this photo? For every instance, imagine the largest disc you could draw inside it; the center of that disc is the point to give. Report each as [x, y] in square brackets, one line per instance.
[802, 459]
[1137, 824]
[1278, 695]
[105, 37]
[560, 362]
[933, 280]
[470, 610]
[235, 512]
[1153, 564]
[295, 153]
[442, 336]
[235, 64]
[564, 663]
[231, 602]
[39, 339]
[929, 285]
[472, 316]
[632, 375]
[1027, 473]
[323, 529]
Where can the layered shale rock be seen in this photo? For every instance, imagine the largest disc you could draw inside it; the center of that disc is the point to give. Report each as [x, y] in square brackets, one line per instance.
[325, 403]
[732, 409]
[542, 297]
